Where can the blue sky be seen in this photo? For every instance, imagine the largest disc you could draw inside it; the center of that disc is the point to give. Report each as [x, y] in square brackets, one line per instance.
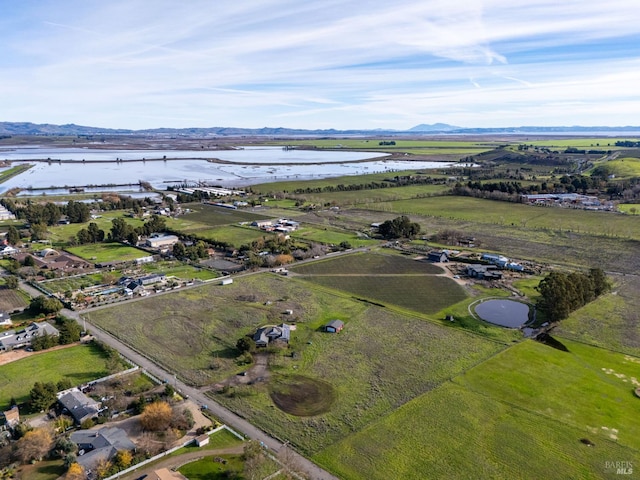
[330, 64]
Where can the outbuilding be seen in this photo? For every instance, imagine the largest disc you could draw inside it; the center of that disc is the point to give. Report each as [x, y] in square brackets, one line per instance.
[334, 326]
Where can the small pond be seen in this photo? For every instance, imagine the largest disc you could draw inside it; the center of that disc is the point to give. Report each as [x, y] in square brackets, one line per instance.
[506, 313]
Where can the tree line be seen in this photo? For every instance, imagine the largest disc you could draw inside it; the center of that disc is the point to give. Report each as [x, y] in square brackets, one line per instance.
[562, 293]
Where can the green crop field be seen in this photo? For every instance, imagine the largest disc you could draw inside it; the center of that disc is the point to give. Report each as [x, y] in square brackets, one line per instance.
[80, 364]
[386, 279]
[107, 252]
[491, 419]
[516, 215]
[61, 285]
[368, 264]
[367, 145]
[423, 294]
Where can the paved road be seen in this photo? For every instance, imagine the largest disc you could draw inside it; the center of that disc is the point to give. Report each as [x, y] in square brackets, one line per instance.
[225, 415]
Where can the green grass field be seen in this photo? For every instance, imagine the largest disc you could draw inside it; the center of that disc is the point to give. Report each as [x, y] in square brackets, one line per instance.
[232, 234]
[363, 197]
[107, 252]
[180, 270]
[612, 321]
[380, 361]
[331, 236]
[80, 364]
[506, 418]
[481, 211]
[625, 167]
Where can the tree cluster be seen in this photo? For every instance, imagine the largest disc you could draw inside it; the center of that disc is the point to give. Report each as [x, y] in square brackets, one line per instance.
[399, 227]
[46, 305]
[562, 293]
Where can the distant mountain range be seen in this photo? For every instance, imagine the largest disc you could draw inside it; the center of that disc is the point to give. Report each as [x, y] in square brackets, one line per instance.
[26, 128]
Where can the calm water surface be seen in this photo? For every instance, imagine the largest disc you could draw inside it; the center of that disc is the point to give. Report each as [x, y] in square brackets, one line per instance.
[252, 165]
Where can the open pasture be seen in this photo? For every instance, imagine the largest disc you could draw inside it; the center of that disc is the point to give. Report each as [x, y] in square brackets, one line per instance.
[107, 252]
[516, 215]
[231, 234]
[612, 321]
[80, 364]
[380, 361]
[540, 379]
[491, 418]
[625, 167]
[331, 236]
[452, 432]
[360, 197]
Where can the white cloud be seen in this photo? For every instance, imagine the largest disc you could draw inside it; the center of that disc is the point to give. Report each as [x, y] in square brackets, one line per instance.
[345, 64]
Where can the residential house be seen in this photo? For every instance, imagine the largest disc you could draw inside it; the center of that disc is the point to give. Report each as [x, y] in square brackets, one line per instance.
[272, 334]
[95, 446]
[9, 419]
[5, 319]
[11, 339]
[484, 272]
[78, 405]
[334, 326]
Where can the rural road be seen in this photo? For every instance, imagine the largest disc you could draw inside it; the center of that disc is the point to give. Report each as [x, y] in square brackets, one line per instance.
[224, 415]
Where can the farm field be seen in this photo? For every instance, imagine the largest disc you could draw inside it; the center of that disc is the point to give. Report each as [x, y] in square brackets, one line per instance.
[490, 419]
[476, 210]
[80, 364]
[373, 144]
[11, 300]
[612, 321]
[368, 264]
[107, 252]
[64, 284]
[376, 364]
[462, 434]
[363, 197]
[331, 236]
[386, 279]
[180, 270]
[231, 234]
[214, 216]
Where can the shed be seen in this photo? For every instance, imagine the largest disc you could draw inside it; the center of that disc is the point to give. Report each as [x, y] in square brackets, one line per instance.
[202, 440]
[226, 281]
[334, 326]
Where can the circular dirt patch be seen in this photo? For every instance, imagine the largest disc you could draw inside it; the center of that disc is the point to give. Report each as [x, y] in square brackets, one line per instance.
[301, 396]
